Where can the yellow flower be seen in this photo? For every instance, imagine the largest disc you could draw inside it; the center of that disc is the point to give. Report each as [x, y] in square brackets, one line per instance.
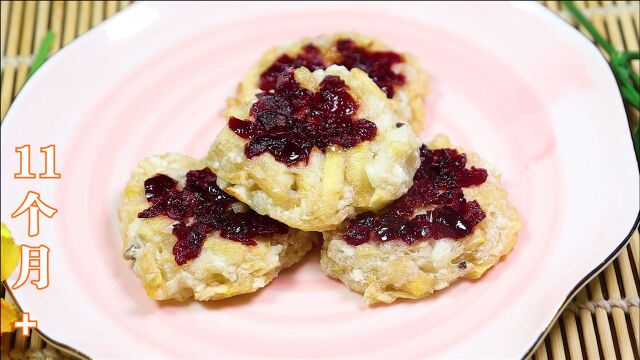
[10, 254]
[8, 315]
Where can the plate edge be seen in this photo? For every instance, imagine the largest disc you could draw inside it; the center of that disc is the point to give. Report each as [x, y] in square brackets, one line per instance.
[614, 254]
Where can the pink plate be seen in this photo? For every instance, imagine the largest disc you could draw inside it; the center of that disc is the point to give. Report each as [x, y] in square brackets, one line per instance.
[508, 79]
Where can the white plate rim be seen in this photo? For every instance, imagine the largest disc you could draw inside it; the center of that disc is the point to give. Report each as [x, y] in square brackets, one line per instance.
[529, 352]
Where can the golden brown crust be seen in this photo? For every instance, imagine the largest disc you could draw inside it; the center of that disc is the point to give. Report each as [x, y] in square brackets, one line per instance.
[334, 184]
[384, 272]
[223, 269]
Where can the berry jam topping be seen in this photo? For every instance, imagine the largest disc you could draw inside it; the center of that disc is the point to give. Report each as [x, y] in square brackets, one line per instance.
[437, 187]
[310, 57]
[377, 64]
[289, 121]
[201, 207]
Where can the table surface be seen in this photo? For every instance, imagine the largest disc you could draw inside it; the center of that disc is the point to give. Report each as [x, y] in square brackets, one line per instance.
[603, 321]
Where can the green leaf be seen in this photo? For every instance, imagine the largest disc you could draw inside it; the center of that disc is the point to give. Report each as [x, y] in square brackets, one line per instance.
[631, 55]
[628, 79]
[597, 37]
[43, 52]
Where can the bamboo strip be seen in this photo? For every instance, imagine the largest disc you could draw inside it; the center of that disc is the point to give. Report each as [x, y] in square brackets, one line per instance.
[598, 21]
[619, 39]
[57, 15]
[42, 25]
[631, 43]
[557, 346]
[20, 340]
[97, 14]
[541, 352]
[573, 336]
[615, 36]
[5, 341]
[635, 250]
[588, 331]
[619, 321]
[582, 4]
[84, 19]
[26, 37]
[15, 22]
[630, 289]
[70, 22]
[123, 4]
[602, 322]
[604, 9]
[36, 342]
[552, 5]
[634, 315]
[635, 17]
[9, 71]
[4, 23]
[630, 36]
[112, 7]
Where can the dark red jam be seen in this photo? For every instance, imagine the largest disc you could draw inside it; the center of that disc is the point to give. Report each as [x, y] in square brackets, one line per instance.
[289, 120]
[201, 207]
[377, 64]
[437, 188]
[310, 57]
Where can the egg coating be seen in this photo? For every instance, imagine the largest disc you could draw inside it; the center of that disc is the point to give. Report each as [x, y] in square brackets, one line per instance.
[386, 271]
[320, 193]
[224, 267]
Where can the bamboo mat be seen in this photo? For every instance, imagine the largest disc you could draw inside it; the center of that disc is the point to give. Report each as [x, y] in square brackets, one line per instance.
[603, 321]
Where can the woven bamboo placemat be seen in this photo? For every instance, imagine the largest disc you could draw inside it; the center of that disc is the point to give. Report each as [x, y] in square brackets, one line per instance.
[603, 321]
